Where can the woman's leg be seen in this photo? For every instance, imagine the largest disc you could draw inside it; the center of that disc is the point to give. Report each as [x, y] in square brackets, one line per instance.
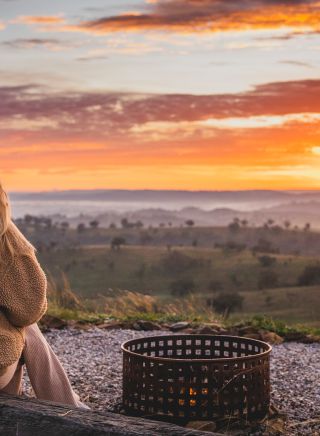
[47, 376]
[10, 381]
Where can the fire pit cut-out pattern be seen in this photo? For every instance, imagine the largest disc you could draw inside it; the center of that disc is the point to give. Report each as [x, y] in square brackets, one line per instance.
[196, 376]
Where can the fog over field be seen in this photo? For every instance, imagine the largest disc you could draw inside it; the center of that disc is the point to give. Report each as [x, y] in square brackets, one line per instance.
[160, 206]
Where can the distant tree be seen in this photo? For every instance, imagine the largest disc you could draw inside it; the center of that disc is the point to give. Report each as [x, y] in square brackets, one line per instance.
[235, 225]
[310, 276]
[28, 219]
[267, 261]
[64, 225]
[112, 226]
[94, 224]
[189, 223]
[125, 223]
[244, 223]
[182, 287]
[81, 227]
[227, 302]
[307, 227]
[117, 242]
[47, 222]
[287, 224]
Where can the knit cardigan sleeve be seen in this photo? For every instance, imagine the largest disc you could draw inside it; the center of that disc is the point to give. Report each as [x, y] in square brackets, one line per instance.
[23, 290]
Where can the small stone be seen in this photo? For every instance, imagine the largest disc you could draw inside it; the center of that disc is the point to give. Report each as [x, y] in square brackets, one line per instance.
[148, 325]
[223, 331]
[179, 326]
[136, 326]
[207, 330]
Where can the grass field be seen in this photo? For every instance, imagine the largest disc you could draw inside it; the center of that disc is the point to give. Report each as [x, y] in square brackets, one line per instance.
[92, 270]
[298, 305]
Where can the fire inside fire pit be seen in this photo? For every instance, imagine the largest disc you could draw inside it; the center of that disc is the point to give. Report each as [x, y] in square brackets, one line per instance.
[196, 376]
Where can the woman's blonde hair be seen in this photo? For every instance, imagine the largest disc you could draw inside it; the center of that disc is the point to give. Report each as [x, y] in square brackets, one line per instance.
[12, 241]
[5, 220]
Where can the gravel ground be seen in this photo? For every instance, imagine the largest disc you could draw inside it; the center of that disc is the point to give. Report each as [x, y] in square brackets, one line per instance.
[93, 362]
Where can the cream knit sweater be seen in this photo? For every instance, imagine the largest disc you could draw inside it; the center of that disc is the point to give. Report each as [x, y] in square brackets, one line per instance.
[23, 301]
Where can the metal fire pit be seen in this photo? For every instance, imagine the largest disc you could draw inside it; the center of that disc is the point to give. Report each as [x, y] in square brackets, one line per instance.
[196, 376]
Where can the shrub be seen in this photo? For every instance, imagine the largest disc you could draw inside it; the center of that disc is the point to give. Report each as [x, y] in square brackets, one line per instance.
[189, 223]
[267, 261]
[117, 242]
[227, 302]
[234, 227]
[310, 276]
[94, 224]
[81, 227]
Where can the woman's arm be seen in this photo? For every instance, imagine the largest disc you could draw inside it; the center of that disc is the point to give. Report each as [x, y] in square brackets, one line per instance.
[23, 291]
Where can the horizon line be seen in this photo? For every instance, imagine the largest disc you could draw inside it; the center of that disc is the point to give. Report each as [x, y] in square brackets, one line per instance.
[163, 190]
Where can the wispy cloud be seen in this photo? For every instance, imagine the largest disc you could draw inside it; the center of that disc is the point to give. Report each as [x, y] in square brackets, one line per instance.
[39, 19]
[90, 58]
[51, 44]
[297, 63]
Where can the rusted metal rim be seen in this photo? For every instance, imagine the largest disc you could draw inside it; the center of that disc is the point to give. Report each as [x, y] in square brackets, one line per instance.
[202, 336]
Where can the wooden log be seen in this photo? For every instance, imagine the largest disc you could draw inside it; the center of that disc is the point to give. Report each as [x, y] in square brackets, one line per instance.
[22, 416]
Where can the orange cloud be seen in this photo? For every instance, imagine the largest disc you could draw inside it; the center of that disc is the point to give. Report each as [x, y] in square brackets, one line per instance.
[211, 16]
[267, 137]
[40, 19]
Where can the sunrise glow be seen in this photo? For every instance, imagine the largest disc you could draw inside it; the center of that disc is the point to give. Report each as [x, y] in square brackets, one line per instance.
[140, 95]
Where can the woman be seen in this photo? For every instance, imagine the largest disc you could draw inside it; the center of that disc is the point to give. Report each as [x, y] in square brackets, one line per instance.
[23, 301]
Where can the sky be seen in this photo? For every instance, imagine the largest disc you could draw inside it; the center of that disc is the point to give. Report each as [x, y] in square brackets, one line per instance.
[160, 94]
